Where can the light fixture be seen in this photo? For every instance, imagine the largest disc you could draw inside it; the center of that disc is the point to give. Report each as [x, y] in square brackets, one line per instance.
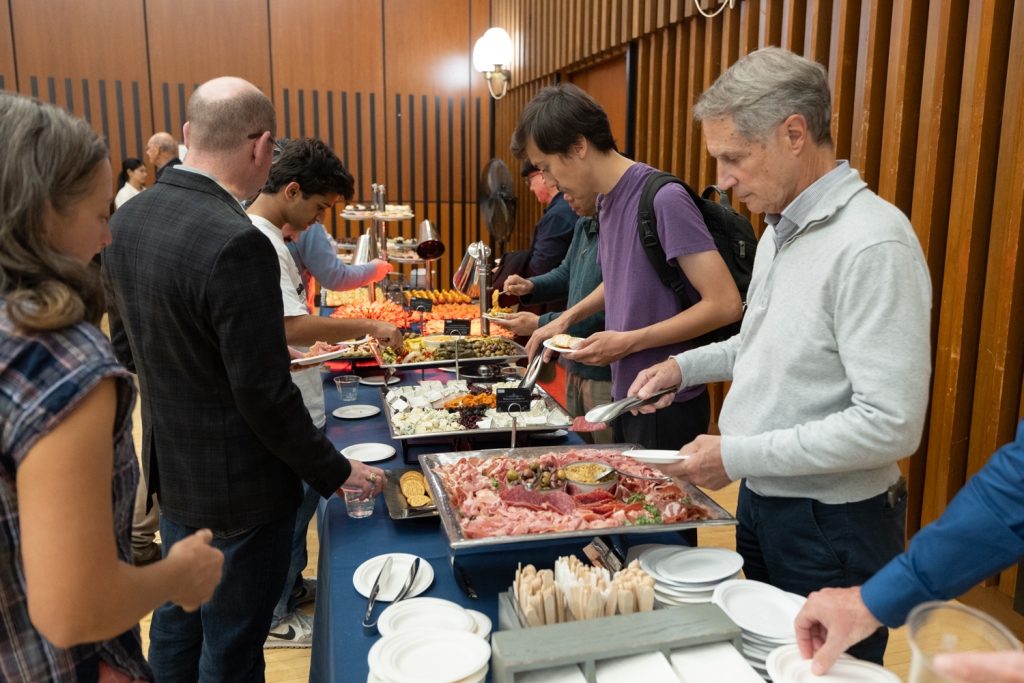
[492, 55]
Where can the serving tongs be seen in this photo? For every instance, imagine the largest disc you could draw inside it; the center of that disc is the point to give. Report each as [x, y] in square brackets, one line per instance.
[532, 372]
[370, 627]
[610, 411]
[608, 469]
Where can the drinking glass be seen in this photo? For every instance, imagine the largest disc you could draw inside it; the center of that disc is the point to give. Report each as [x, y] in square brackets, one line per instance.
[348, 387]
[355, 507]
[936, 628]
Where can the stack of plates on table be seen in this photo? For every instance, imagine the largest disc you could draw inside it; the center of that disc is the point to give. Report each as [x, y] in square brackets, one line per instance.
[787, 665]
[433, 614]
[429, 656]
[764, 613]
[366, 575]
[687, 576]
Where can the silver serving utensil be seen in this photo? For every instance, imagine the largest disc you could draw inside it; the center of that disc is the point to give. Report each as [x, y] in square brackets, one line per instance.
[624, 473]
[532, 372]
[610, 411]
[370, 627]
[411, 579]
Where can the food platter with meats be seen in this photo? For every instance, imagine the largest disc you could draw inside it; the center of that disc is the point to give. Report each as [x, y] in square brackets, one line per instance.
[503, 496]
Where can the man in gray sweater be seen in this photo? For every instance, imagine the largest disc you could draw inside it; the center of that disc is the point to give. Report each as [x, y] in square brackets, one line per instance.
[830, 370]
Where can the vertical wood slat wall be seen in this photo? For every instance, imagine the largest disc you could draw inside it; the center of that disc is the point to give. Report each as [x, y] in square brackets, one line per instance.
[927, 104]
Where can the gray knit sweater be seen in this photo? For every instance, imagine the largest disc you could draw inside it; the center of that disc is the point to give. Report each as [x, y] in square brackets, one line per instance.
[830, 371]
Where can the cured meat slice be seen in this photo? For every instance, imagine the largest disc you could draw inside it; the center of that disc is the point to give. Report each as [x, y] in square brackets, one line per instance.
[580, 424]
[595, 496]
[524, 497]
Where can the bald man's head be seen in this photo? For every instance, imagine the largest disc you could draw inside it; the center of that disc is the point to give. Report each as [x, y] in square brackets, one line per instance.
[225, 112]
[161, 148]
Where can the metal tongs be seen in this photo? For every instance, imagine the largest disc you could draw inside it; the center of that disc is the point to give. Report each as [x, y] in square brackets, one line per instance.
[610, 411]
[370, 627]
[529, 379]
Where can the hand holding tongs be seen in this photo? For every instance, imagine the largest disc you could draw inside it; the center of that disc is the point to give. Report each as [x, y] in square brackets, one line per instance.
[610, 411]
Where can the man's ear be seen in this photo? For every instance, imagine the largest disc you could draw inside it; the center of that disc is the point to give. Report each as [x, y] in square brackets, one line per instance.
[292, 190]
[795, 128]
[580, 148]
[184, 134]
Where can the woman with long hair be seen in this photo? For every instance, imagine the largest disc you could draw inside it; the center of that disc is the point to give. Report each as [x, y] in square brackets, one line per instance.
[130, 181]
[70, 599]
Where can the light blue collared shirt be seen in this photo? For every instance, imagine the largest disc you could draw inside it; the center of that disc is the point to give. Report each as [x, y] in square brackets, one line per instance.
[796, 215]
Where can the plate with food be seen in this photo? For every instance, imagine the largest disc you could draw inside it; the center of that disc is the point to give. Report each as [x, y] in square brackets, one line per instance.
[562, 343]
[506, 496]
[402, 497]
[320, 352]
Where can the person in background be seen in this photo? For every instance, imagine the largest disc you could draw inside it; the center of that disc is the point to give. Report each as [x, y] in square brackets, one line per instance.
[980, 534]
[579, 274]
[554, 231]
[830, 371]
[565, 133]
[162, 152]
[316, 257]
[130, 181]
[71, 598]
[305, 181]
[194, 299]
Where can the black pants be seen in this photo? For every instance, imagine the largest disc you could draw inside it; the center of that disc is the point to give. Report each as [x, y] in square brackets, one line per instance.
[801, 545]
[670, 428]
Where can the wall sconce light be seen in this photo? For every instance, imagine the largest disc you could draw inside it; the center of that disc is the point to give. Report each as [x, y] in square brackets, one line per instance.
[492, 55]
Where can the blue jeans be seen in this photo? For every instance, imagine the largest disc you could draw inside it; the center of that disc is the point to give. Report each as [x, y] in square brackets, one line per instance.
[223, 641]
[286, 605]
[801, 545]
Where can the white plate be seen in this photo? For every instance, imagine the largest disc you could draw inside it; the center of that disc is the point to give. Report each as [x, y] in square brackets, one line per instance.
[759, 608]
[494, 319]
[345, 346]
[355, 412]
[378, 380]
[651, 555]
[425, 613]
[655, 457]
[699, 565]
[787, 665]
[688, 590]
[483, 623]
[678, 602]
[557, 349]
[368, 452]
[431, 656]
[366, 573]
[557, 434]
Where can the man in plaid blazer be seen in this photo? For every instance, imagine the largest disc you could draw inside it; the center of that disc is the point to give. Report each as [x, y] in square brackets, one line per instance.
[195, 309]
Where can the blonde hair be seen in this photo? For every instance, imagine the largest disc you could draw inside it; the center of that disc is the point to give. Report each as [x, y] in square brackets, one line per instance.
[47, 159]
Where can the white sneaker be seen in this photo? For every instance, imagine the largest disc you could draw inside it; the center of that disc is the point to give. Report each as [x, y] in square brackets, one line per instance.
[306, 593]
[295, 630]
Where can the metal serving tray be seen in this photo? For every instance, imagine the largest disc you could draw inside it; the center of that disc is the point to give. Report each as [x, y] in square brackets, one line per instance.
[550, 402]
[449, 362]
[398, 507]
[458, 542]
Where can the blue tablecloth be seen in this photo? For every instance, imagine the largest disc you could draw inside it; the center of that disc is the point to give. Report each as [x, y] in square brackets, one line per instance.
[339, 646]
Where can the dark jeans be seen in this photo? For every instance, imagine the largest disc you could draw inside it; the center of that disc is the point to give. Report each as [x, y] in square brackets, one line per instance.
[670, 428]
[801, 545]
[293, 582]
[223, 641]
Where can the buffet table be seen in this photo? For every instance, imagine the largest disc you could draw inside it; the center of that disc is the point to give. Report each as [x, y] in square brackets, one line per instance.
[340, 647]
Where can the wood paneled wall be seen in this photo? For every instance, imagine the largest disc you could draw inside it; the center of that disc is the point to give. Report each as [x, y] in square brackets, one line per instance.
[927, 104]
[387, 83]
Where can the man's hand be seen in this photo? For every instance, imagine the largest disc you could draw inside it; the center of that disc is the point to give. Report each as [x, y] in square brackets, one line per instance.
[704, 466]
[518, 286]
[833, 620]
[664, 375]
[382, 269]
[387, 334]
[370, 479]
[295, 355]
[542, 334]
[200, 567]
[981, 667]
[603, 348]
[523, 324]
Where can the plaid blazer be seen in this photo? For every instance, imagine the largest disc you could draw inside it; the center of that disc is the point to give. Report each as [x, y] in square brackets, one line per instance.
[195, 309]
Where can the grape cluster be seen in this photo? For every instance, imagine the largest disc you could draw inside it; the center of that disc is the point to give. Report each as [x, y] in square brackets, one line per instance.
[469, 417]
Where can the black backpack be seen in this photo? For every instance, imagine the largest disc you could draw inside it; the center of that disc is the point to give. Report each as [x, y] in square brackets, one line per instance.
[734, 238]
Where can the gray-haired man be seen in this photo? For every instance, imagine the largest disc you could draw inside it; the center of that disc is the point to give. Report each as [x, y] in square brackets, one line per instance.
[830, 370]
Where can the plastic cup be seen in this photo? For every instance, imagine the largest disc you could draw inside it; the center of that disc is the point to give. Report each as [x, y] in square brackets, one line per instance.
[355, 507]
[936, 628]
[348, 387]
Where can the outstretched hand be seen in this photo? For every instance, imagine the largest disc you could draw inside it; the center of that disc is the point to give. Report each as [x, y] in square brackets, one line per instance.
[831, 621]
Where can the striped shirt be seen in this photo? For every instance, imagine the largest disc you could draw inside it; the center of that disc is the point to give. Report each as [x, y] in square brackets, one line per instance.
[43, 377]
[796, 215]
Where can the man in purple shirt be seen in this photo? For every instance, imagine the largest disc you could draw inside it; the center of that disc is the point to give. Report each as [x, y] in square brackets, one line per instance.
[565, 133]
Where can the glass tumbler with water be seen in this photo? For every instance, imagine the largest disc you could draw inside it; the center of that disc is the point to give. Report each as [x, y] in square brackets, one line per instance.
[348, 387]
[354, 506]
[935, 628]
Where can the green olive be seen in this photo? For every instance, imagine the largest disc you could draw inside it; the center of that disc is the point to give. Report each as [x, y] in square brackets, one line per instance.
[560, 474]
[546, 477]
[512, 475]
[534, 466]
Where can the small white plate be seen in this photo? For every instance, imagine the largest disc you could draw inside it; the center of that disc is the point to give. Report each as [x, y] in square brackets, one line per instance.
[367, 572]
[760, 609]
[425, 613]
[345, 346]
[378, 380]
[699, 565]
[431, 656]
[557, 434]
[677, 601]
[655, 457]
[494, 319]
[483, 623]
[787, 665]
[368, 452]
[355, 412]
[557, 349]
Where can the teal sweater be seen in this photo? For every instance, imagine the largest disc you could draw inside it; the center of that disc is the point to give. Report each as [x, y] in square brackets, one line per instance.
[577, 276]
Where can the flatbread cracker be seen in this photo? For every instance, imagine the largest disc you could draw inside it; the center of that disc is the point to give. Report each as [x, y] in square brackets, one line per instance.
[418, 501]
[413, 488]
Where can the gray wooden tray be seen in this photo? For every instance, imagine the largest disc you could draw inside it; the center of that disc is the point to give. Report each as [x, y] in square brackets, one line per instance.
[586, 642]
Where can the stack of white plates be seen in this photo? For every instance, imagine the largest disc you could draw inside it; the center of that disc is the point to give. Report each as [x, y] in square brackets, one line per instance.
[686, 576]
[787, 665]
[764, 613]
[429, 656]
[432, 613]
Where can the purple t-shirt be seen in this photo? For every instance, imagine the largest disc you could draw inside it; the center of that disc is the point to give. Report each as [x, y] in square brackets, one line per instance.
[634, 296]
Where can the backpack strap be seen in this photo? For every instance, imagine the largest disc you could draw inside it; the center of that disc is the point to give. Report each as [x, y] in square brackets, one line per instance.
[647, 225]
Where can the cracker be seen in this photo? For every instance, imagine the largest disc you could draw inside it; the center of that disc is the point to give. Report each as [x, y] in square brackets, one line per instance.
[418, 501]
[413, 488]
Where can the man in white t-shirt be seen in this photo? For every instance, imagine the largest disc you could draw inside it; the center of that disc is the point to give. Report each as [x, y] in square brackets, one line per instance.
[305, 181]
